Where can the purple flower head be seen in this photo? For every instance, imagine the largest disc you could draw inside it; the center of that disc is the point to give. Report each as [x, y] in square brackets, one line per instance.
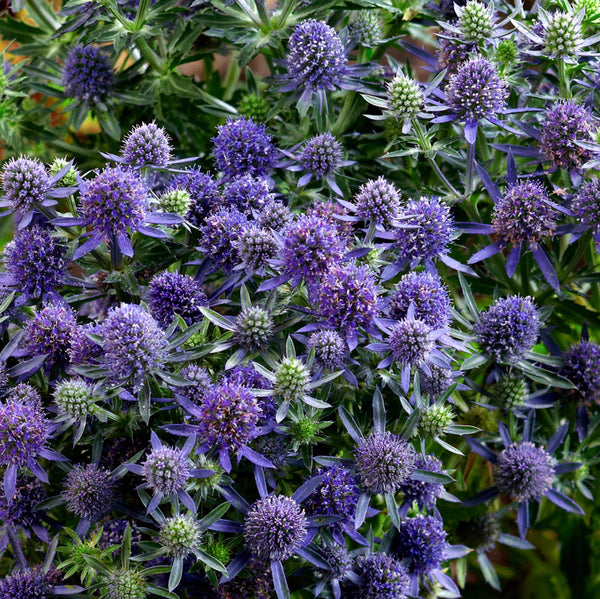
[436, 381]
[166, 470]
[321, 155]
[23, 432]
[348, 297]
[88, 491]
[247, 376]
[383, 577]
[113, 531]
[384, 461]
[171, 293]
[35, 262]
[586, 206]
[476, 91]
[316, 57]
[21, 512]
[431, 228]
[246, 193]
[582, 368]
[82, 348]
[452, 52]
[311, 245]
[88, 74]
[378, 201]
[134, 344]
[422, 542]
[228, 416]
[524, 471]
[339, 560]
[203, 190]
[330, 348]
[524, 215]
[243, 147]
[147, 145]
[255, 247]
[275, 527]
[254, 328]
[274, 447]
[565, 124]
[428, 295]
[24, 584]
[411, 341]
[274, 215]
[219, 235]
[50, 332]
[201, 383]
[114, 202]
[424, 493]
[337, 495]
[26, 393]
[25, 183]
[330, 211]
[508, 329]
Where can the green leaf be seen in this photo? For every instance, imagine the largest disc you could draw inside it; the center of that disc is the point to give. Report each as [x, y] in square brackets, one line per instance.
[214, 515]
[210, 561]
[218, 319]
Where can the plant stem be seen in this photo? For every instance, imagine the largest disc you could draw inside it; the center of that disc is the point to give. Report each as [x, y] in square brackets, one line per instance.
[563, 80]
[470, 165]
[16, 547]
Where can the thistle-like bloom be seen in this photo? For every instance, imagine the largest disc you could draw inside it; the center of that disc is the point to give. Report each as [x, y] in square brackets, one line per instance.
[368, 27]
[274, 215]
[330, 348]
[348, 300]
[582, 368]
[336, 495]
[203, 190]
[254, 328]
[201, 383]
[437, 380]
[310, 247]
[25, 183]
[565, 124]
[429, 296]
[256, 247]
[175, 201]
[291, 379]
[475, 92]
[562, 34]
[246, 193]
[508, 329]
[75, 399]
[219, 235]
[383, 577]
[422, 543]
[475, 20]
[24, 584]
[243, 147]
[585, 206]
[180, 535]
[35, 262]
[425, 494]
[452, 52]
[275, 528]
[88, 75]
[525, 472]
[405, 97]
[147, 145]
[50, 332]
[171, 293]
[426, 231]
[510, 392]
[316, 62]
[114, 204]
[133, 343]
[378, 201]
[384, 461]
[228, 416]
[88, 491]
[126, 584]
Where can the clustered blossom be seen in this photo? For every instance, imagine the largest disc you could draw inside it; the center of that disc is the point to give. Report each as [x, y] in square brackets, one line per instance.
[88, 74]
[378, 201]
[203, 191]
[147, 144]
[337, 494]
[422, 543]
[35, 261]
[476, 91]
[166, 470]
[524, 215]
[384, 462]
[88, 491]
[254, 328]
[316, 58]
[330, 348]
[219, 235]
[425, 494]
[133, 343]
[565, 124]
[25, 183]
[171, 293]
[383, 577]
[582, 368]
[509, 328]
[321, 155]
[243, 147]
[275, 527]
[524, 471]
[24, 584]
[410, 341]
[256, 247]
[586, 206]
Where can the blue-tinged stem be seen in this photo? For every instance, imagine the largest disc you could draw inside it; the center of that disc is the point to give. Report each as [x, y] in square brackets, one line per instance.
[563, 80]
[470, 166]
[16, 547]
